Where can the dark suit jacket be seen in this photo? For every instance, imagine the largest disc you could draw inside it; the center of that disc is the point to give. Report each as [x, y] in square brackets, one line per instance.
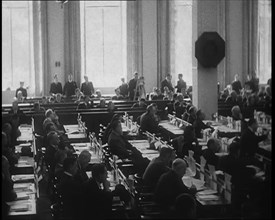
[23, 90]
[87, 89]
[237, 169]
[49, 156]
[70, 192]
[69, 88]
[148, 123]
[210, 158]
[198, 126]
[123, 149]
[56, 88]
[119, 146]
[249, 143]
[131, 88]
[124, 89]
[153, 172]
[169, 186]
[81, 175]
[180, 84]
[236, 86]
[166, 83]
[95, 201]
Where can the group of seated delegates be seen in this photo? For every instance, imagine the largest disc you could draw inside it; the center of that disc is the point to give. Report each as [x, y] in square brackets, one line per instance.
[249, 96]
[83, 196]
[120, 146]
[8, 193]
[140, 104]
[245, 184]
[83, 199]
[73, 184]
[10, 133]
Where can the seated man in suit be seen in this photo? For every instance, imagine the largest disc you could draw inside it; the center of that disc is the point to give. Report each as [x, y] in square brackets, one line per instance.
[59, 156]
[209, 153]
[56, 87]
[51, 148]
[8, 193]
[158, 166]
[167, 82]
[22, 89]
[96, 194]
[69, 189]
[250, 141]
[199, 125]
[82, 162]
[140, 104]
[124, 150]
[149, 120]
[170, 185]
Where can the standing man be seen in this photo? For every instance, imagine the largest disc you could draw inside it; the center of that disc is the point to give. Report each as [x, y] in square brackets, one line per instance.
[69, 87]
[123, 88]
[132, 86]
[56, 87]
[22, 89]
[236, 84]
[87, 87]
[181, 84]
[167, 82]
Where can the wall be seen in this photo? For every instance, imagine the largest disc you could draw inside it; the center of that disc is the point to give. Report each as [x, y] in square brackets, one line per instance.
[149, 43]
[234, 39]
[55, 21]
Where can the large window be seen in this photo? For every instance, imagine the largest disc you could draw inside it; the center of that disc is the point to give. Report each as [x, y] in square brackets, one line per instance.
[103, 42]
[264, 40]
[181, 39]
[17, 47]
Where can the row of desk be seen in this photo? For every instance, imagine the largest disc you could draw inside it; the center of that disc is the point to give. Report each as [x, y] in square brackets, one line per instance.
[25, 178]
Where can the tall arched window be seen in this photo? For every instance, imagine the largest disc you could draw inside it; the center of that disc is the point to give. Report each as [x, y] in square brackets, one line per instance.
[181, 39]
[103, 42]
[264, 40]
[17, 45]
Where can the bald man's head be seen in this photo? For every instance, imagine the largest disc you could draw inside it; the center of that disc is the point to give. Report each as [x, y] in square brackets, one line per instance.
[84, 159]
[179, 166]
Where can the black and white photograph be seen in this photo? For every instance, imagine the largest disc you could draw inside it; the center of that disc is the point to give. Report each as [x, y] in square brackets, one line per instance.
[136, 109]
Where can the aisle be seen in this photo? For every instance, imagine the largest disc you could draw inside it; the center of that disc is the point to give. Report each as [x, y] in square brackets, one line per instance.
[44, 203]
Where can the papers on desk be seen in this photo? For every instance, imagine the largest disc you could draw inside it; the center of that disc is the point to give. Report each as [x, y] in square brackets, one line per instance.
[208, 197]
[81, 145]
[22, 207]
[257, 169]
[25, 177]
[207, 192]
[151, 156]
[22, 196]
[189, 181]
[221, 154]
[76, 136]
[149, 151]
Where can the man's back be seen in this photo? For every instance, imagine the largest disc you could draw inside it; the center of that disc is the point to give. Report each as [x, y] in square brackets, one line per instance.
[70, 194]
[169, 186]
[148, 123]
[153, 172]
[117, 145]
[249, 143]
